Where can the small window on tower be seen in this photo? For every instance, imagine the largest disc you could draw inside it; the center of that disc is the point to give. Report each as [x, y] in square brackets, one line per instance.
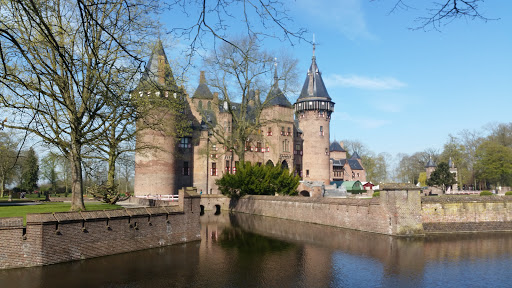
[307, 173]
[321, 130]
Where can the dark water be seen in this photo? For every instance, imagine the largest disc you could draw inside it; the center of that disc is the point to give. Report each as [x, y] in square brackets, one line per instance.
[251, 251]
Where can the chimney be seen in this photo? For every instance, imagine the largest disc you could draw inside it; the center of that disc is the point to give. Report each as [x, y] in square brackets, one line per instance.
[341, 144]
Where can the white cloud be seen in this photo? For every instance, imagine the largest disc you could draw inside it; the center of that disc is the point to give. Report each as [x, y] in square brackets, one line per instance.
[363, 82]
[346, 16]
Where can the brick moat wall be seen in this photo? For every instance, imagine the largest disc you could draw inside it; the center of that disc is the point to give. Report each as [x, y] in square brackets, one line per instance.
[468, 213]
[396, 212]
[68, 236]
[393, 213]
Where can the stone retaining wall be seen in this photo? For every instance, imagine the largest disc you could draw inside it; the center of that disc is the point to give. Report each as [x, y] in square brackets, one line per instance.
[466, 213]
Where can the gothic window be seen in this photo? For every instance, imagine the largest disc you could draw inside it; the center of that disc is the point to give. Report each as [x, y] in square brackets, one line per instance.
[227, 166]
[258, 147]
[200, 105]
[209, 105]
[282, 131]
[289, 131]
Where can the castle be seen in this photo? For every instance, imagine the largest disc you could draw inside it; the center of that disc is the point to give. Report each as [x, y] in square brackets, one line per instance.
[294, 136]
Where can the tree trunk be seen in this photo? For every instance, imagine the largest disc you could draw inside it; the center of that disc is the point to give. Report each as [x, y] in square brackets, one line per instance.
[2, 187]
[111, 176]
[77, 193]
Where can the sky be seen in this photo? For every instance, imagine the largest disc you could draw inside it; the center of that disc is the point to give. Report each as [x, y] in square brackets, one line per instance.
[399, 90]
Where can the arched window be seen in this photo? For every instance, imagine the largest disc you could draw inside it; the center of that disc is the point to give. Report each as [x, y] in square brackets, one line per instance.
[200, 105]
[209, 105]
[270, 163]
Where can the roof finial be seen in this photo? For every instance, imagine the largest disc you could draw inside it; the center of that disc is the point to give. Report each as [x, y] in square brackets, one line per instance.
[313, 45]
[275, 70]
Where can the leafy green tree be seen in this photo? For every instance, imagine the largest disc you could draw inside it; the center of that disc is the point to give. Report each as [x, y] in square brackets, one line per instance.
[441, 176]
[8, 160]
[49, 165]
[423, 179]
[258, 180]
[494, 163]
[29, 171]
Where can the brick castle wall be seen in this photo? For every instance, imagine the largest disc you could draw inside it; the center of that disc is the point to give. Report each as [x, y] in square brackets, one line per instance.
[69, 236]
[393, 213]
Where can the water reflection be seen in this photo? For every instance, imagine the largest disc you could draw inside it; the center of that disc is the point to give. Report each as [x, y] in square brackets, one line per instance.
[242, 250]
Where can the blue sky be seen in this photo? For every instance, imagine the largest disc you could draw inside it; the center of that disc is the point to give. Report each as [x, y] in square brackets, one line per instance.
[399, 90]
[403, 91]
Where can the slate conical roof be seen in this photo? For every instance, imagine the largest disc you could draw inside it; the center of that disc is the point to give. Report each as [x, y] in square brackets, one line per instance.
[355, 156]
[314, 87]
[275, 96]
[202, 91]
[158, 72]
[335, 146]
[430, 163]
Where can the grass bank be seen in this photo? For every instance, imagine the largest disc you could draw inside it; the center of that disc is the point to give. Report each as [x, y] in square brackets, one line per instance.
[22, 211]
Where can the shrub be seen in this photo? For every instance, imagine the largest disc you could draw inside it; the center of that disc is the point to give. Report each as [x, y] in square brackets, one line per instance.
[258, 180]
[356, 191]
[486, 193]
[376, 194]
[508, 193]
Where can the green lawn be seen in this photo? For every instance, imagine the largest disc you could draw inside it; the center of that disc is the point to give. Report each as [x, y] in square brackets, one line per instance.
[22, 211]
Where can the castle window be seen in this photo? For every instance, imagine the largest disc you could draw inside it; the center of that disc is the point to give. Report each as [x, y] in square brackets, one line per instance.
[185, 142]
[258, 147]
[209, 105]
[353, 175]
[227, 166]
[234, 168]
[269, 131]
[186, 169]
[282, 131]
[322, 114]
[214, 147]
[286, 146]
[307, 173]
[267, 148]
[297, 147]
[321, 131]
[289, 131]
[200, 105]
[326, 151]
[213, 170]
[247, 146]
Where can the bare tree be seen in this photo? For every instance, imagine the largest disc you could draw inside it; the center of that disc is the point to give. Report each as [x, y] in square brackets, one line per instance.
[441, 13]
[8, 159]
[62, 61]
[241, 73]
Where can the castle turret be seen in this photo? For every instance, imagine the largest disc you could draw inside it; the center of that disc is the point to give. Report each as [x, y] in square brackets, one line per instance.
[155, 164]
[314, 108]
[430, 167]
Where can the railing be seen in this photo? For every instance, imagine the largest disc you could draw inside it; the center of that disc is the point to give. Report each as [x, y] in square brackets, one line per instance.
[160, 197]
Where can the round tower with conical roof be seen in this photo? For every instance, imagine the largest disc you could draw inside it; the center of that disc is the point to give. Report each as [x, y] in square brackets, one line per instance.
[313, 109]
[155, 162]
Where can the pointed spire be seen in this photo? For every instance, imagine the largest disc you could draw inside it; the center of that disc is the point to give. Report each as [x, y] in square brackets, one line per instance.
[158, 71]
[314, 46]
[276, 79]
[314, 86]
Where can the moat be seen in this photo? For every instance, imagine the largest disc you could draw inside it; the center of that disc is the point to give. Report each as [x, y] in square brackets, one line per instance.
[241, 250]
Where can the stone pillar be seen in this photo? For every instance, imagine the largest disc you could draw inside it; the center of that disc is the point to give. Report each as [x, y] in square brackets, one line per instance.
[403, 205]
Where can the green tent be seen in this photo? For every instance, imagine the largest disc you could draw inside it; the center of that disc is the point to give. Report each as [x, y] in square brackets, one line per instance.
[352, 185]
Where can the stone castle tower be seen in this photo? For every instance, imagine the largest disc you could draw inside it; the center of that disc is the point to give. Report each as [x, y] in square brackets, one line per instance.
[430, 167]
[155, 169]
[313, 109]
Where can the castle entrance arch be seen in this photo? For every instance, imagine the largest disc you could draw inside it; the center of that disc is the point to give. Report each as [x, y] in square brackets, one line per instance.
[284, 164]
[270, 163]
